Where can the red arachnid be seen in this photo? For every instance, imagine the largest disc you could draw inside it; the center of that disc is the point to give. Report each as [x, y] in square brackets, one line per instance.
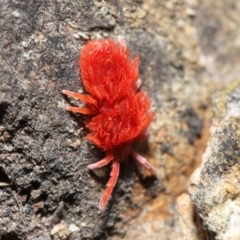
[119, 111]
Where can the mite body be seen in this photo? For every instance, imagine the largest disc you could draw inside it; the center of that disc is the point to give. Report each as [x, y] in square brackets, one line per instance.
[119, 111]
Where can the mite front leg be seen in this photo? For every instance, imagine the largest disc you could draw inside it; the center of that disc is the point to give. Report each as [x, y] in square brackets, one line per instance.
[89, 101]
[79, 96]
[80, 110]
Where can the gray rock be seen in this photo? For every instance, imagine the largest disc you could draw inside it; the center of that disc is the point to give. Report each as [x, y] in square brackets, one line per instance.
[215, 185]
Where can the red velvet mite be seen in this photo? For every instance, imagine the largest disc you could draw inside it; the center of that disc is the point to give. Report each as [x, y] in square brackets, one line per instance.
[119, 111]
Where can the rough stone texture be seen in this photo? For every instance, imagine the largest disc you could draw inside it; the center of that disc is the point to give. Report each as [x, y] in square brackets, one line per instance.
[189, 49]
[215, 185]
[185, 210]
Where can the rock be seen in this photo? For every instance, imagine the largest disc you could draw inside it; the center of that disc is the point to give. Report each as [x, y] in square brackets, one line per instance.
[40, 236]
[215, 185]
[61, 230]
[186, 218]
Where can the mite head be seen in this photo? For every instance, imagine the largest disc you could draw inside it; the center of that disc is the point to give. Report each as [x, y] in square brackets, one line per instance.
[107, 71]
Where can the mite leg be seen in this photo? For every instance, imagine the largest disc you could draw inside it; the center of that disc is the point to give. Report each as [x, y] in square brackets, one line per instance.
[122, 42]
[110, 185]
[80, 110]
[144, 162]
[138, 83]
[83, 97]
[101, 163]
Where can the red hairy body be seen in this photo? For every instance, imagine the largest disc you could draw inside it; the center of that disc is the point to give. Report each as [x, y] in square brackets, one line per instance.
[119, 110]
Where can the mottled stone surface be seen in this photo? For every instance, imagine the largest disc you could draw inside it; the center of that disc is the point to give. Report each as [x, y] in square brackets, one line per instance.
[189, 49]
[187, 225]
[215, 185]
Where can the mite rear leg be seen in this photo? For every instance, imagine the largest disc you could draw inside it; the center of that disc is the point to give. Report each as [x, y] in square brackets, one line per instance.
[111, 183]
[144, 162]
[101, 163]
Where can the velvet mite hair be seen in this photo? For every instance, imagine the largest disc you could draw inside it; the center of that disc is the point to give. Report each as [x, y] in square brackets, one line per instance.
[119, 111]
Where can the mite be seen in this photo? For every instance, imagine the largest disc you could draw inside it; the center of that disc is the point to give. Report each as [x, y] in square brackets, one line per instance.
[118, 111]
